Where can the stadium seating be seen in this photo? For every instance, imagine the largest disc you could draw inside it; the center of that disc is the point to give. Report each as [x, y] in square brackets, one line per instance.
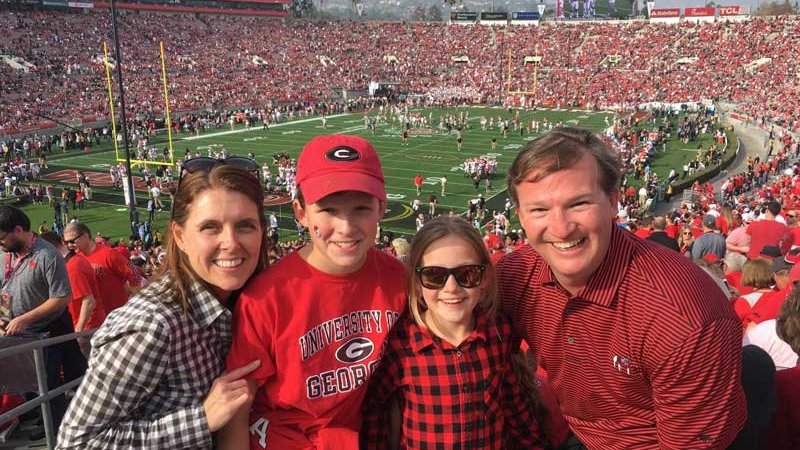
[228, 61]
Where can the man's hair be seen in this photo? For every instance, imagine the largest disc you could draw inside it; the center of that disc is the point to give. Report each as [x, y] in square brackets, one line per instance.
[660, 223]
[734, 261]
[561, 149]
[51, 237]
[774, 208]
[11, 217]
[78, 228]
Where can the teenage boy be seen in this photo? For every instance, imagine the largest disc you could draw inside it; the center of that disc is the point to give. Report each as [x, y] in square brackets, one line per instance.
[318, 318]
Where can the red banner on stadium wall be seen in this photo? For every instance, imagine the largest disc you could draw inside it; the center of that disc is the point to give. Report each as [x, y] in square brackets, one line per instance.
[735, 10]
[665, 12]
[698, 12]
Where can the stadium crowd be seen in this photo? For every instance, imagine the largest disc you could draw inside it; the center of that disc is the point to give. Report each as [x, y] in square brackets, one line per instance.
[745, 234]
[254, 61]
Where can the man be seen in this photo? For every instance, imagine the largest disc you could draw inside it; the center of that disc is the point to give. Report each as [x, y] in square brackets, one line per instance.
[443, 182]
[432, 202]
[86, 307]
[710, 242]
[112, 270]
[660, 236]
[155, 194]
[768, 231]
[418, 184]
[633, 367]
[34, 296]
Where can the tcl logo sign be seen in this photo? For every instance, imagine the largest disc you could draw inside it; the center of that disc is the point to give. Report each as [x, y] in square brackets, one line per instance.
[730, 10]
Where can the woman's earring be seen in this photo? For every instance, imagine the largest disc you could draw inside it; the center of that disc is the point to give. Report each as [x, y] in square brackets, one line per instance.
[316, 231]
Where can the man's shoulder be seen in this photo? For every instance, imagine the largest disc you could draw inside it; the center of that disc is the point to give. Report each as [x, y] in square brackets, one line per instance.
[515, 270]
[520, 260]
[664, 284]
[42, 250]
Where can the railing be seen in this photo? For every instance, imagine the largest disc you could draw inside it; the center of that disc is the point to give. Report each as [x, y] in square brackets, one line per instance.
[45, 395]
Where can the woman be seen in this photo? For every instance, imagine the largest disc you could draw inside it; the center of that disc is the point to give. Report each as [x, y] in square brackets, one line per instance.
[756, 282]
[685, 241]
[154, 375]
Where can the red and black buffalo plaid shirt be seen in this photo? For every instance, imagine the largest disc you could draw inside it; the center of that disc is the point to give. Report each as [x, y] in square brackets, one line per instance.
[465, 397]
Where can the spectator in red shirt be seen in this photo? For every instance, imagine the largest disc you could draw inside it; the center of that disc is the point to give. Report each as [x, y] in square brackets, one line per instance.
[732, 266]
[646, 368]
[645, 227]
[418, 184]
[86, 306]
[114, 276]
[768, 231]
[793, 228]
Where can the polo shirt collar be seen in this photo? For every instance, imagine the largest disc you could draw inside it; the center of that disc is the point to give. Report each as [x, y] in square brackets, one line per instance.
[602, 286]
[422, 337]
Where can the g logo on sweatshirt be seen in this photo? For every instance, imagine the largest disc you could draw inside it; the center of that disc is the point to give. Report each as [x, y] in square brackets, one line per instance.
[355, 350]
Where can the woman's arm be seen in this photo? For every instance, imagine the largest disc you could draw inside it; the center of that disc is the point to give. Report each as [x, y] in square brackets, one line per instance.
[125, 370]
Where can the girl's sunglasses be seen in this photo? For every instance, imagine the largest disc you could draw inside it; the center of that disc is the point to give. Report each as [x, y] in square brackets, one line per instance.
[434, 277]
[202, 163]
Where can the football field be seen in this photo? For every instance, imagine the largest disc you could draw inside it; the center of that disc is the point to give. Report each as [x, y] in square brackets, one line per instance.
[432, 153]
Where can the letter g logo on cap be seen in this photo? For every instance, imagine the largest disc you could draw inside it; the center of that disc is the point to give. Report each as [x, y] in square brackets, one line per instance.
[343, 154]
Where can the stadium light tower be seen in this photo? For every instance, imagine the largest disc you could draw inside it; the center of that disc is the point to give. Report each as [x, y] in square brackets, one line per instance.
[131, 190]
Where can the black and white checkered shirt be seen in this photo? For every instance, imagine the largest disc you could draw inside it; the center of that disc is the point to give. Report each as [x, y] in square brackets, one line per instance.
[151, 367]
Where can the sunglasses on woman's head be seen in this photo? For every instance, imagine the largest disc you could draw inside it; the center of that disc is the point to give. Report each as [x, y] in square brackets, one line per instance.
[467, 276]
[202, 163]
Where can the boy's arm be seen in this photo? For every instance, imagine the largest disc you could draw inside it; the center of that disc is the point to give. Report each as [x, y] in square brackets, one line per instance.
[376, 428]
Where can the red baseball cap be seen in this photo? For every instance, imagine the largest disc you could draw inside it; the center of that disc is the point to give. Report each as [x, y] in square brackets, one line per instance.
[339, 162]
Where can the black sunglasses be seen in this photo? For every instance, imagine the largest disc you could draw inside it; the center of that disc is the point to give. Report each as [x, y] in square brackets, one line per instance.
[72, 241]
[203, 163]
[467, 276]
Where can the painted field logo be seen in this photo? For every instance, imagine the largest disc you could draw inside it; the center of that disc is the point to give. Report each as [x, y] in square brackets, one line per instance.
[276, 199]
[422, 132]
[355, 350]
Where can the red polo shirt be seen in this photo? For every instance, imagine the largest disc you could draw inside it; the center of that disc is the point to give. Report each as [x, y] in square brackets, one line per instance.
[646, 356]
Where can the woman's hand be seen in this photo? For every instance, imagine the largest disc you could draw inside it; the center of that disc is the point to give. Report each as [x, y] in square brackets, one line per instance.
[228, 393]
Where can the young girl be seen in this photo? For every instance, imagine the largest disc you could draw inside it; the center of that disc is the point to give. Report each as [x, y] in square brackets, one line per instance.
[448, 362]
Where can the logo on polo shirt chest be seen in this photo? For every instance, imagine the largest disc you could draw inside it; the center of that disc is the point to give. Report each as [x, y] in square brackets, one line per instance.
[623, 364]
[342, 154]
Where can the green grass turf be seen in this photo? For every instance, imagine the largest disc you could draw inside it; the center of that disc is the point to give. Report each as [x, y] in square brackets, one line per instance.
[431, 156]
